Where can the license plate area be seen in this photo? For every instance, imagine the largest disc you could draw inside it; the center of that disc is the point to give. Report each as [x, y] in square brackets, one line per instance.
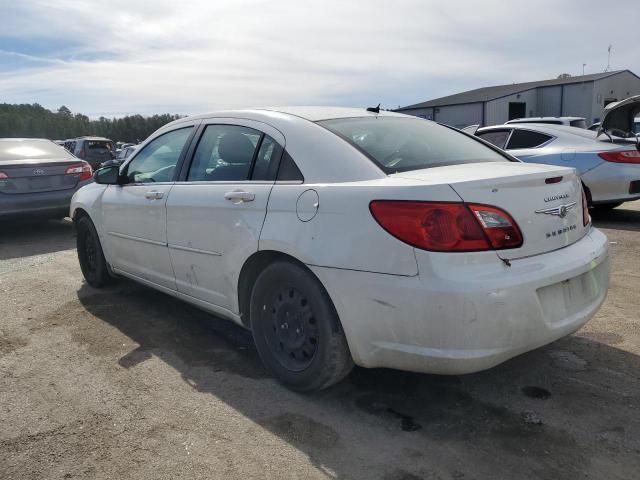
[562, 301]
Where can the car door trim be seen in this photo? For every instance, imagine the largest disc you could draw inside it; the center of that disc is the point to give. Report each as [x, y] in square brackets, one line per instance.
[194, 250]
[137, 239]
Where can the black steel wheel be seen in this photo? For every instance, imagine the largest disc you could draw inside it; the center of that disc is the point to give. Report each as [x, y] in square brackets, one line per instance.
[296, 328]
[92, 262]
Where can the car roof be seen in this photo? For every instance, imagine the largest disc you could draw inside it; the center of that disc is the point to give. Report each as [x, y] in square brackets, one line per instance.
[311, 113]
[91, 138]
[525, 119]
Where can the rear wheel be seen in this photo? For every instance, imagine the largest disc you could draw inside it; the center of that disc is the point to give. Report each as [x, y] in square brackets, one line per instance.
[92, 262]
[296, 328]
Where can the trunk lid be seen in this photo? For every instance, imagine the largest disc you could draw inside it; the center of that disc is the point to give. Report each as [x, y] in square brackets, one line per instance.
[33, 176]
[619, 118]
[549, 215]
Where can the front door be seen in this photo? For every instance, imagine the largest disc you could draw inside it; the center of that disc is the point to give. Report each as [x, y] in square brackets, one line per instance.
[214, 216]
[134, 213]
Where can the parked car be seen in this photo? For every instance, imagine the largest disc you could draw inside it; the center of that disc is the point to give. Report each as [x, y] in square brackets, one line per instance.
[121, 157]
[343, 236]
[609, 171]
[94, 150]
[38, 178]
[121, 146]
[578, 122]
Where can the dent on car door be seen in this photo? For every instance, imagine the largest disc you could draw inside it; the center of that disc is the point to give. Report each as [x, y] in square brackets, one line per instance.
[134, 213]
[216, 212]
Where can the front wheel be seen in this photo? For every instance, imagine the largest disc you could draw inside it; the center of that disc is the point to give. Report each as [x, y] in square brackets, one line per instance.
[92, 262]
[296, 328]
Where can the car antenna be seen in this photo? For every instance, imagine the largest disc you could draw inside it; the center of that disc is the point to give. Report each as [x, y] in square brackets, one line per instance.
[374, 109]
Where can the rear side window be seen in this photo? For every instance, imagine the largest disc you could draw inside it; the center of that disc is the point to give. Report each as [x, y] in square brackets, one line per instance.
[495, 137]
[403, 144]
[99, 145]
[527, 139]
[289, 171]
[234, 153]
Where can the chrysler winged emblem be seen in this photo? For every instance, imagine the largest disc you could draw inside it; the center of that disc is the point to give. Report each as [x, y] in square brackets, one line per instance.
[560, 210]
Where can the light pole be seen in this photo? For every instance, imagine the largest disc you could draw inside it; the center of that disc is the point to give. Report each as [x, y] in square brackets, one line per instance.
[583, 65]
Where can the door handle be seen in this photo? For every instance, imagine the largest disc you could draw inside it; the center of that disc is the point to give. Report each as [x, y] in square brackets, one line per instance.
[240, 196]
[154, 195]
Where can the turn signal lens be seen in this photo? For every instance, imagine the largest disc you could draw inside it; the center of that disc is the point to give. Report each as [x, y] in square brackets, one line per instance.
[447, 227]
[628, 156]
[83, 169]
[586, 218]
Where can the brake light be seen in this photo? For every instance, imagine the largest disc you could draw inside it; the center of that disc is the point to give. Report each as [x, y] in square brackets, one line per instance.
[83, 169]
[3, 176]
[586, 218]
[628, 156]
[447, 227]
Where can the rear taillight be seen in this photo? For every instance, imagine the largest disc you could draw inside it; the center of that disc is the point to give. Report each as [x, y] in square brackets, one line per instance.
[447, 227]
[628, 156]
[3, 176]
[586, 218]
[83, 169]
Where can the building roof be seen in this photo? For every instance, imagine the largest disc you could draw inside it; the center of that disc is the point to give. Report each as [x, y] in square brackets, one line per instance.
[485, 94]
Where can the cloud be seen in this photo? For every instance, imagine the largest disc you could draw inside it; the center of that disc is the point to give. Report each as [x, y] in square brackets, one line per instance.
[110, 58]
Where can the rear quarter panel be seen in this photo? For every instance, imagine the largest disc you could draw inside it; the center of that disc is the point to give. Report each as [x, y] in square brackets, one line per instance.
[343, 233]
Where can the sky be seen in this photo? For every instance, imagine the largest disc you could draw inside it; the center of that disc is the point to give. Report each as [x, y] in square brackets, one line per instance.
[111, 58]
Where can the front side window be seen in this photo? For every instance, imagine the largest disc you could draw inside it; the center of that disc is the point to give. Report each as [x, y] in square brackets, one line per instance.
[403, 144]
[157, 161]
[527, 139]
[228, 153]
[495, 137]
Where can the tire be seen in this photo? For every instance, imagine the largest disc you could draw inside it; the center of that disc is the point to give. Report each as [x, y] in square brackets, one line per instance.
[605, 207]
[92, 262]
[296, 329]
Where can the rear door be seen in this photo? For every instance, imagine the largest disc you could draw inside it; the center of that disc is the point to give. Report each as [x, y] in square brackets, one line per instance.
[135, 213]
[216, 212]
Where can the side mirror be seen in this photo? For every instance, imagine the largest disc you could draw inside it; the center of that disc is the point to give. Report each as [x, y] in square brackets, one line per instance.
[107, 175]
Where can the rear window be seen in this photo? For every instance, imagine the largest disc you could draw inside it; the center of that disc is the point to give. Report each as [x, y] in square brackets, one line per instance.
[99, 145]
[527, 139]
[402, 144]
[29, 149]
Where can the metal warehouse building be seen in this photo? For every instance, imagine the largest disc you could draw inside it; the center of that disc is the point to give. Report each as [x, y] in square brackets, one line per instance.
[581, 96]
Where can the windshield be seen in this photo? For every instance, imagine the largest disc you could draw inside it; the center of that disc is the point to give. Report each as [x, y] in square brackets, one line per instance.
[30, 149]
[402, 144]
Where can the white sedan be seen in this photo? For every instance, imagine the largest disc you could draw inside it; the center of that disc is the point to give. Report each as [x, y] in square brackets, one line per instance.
[342, 236]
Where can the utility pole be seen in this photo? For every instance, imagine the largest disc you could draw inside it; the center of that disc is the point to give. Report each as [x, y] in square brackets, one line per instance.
[608, 58]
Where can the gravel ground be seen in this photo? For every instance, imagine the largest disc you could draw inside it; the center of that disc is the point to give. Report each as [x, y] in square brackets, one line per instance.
[130, 383]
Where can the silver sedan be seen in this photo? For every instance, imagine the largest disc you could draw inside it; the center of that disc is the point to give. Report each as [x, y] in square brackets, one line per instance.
[610, 170]
[38, 178]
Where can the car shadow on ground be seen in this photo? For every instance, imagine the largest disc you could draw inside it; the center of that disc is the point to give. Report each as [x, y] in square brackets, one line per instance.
[35, 237]
[619, 219]
[562, 411]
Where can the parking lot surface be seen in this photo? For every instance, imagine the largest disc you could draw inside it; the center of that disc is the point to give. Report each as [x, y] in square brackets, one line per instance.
[129, 383]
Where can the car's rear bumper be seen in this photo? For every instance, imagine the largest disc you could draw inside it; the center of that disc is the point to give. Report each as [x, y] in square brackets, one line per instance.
[459, 316]
[610, 182]
[40, 204]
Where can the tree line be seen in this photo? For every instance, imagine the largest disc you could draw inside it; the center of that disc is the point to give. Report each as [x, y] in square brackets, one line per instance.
[35, 121]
